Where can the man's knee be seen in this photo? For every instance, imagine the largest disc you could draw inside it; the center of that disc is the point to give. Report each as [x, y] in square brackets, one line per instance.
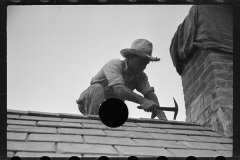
[95, 97]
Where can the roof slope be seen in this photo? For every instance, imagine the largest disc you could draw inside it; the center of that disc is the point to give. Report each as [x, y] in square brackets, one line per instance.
[36, 134]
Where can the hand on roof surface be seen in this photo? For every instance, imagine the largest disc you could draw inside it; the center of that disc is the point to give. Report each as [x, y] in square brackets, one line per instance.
[149, 106]
[159, 113]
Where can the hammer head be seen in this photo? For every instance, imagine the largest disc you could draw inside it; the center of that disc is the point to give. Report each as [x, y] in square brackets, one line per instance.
[176, 109]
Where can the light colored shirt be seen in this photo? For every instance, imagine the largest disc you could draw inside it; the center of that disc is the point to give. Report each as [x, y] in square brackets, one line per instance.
[115, 72]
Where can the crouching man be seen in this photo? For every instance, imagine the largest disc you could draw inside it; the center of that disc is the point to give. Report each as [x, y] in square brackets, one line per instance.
[118, 78]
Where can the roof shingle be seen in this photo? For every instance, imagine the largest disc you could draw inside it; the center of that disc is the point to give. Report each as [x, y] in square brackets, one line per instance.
[21, 122]
[36, 134]
[159, 143]
[38, 154]
[31, 146]
[198, 145]
[174, 137]
[31, 129]
[109, 140]
[16, 136]
[196, 153]
[59, 124]
[69, 131]
[86, 149]
[81, 120]
[55, 138]
[39, 118]
[143, 151]
[13, 116]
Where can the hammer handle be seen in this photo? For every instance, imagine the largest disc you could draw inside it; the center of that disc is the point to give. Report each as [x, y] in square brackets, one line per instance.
[166, 108]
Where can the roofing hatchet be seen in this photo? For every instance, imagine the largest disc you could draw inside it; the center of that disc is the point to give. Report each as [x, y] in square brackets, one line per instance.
[174, 109]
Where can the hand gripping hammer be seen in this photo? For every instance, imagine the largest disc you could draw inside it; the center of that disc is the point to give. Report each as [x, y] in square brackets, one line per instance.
[174, 109]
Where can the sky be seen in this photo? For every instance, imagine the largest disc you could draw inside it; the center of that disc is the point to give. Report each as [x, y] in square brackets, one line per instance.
[54, 51]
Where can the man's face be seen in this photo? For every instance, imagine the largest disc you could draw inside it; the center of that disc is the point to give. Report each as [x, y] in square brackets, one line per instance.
[138, 64]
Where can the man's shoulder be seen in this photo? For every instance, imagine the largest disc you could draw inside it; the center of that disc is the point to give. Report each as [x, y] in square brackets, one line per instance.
[115, 62]
[142, 75]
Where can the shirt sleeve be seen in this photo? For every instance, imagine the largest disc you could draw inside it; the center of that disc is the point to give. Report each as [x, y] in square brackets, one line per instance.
[143, 85]
[113, 72]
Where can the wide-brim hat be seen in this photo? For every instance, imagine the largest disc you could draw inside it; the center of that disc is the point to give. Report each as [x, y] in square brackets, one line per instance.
[142, 48]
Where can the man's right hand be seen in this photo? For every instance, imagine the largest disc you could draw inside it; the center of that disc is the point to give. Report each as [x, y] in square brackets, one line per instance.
[147, 105]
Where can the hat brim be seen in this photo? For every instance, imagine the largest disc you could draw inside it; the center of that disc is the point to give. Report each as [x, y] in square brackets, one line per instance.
[126, 52]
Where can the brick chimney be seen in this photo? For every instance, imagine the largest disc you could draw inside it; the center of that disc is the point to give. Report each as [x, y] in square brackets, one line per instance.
[207, 81]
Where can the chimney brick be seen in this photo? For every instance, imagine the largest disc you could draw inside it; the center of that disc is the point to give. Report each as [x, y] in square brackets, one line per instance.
[225, 75]
[198, 72]
[202, 58]
[195, 57]
[206, 72]
[192, 89]
[221, 57]
[201, 88]
[192, 71]
[224, 83]
[208, 88]
[225, 93]
[210, 78]
[188, 85]
[186, 70]
[190, 100]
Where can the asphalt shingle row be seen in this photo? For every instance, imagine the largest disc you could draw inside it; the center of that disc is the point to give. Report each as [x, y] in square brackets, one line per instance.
[175, 152]
[98, 131]
[78, 149]
[127, 141]
[101, 126]
[112, 133]
[85, 120]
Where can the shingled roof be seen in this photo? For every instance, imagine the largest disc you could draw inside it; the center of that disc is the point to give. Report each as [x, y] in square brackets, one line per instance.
[36, 134]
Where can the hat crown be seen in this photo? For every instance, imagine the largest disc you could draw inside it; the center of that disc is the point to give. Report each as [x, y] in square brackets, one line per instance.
[142, 45]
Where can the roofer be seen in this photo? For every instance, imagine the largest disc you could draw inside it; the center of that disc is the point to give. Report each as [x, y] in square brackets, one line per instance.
[118, 78]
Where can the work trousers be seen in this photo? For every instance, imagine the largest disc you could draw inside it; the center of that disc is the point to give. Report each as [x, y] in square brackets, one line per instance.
[91, 99]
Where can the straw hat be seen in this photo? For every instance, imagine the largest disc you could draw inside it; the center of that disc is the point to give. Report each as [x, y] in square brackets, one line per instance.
[140, 47]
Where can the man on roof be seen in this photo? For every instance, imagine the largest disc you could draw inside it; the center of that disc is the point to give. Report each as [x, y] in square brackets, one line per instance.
[118, 78]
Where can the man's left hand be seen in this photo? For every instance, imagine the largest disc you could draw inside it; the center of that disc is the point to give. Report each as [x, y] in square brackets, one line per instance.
[159, 113]
[153, 115]
[151, 110]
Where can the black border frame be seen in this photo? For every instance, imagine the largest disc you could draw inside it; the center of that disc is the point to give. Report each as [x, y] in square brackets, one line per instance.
[3, 59]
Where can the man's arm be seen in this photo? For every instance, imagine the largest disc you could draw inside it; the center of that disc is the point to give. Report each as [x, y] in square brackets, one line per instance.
[124, 92]
[152, 96]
